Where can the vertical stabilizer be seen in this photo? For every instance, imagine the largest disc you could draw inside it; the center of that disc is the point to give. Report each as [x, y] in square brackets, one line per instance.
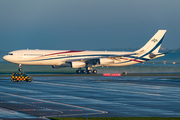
[153, 45]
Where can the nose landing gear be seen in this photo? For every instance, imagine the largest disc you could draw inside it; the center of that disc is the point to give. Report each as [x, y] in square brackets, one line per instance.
[20, 69]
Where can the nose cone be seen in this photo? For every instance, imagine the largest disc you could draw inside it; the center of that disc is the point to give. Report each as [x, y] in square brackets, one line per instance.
[5, 57]
[9, 58]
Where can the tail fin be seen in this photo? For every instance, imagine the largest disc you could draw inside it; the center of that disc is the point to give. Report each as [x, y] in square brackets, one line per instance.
[153, 45]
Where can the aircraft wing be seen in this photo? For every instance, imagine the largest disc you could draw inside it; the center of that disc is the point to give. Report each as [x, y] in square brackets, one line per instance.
[86, 59]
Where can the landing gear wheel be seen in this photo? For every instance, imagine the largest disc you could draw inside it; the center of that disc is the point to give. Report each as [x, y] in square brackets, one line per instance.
[94, 71]
[78, 71]
[89, 71]
[83, 71]
[20, 69]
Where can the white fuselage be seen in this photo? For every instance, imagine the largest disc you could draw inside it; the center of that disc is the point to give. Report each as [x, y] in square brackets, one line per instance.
[58, 57]
[79, 59]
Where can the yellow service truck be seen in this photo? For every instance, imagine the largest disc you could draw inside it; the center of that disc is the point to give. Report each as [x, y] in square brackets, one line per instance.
[16, 77]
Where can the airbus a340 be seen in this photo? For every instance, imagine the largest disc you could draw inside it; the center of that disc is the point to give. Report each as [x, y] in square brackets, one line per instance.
[88, 59]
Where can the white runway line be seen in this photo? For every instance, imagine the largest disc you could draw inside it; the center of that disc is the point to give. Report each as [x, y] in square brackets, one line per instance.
[103, 112]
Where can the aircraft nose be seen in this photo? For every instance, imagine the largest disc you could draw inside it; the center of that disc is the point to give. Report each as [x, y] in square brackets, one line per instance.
[5, 57]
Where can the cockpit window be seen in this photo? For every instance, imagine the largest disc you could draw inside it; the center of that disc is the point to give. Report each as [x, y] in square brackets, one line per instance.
[10, 53]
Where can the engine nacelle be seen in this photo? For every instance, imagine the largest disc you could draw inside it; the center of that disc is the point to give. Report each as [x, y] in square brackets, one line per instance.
[78, 64]
[104, 61]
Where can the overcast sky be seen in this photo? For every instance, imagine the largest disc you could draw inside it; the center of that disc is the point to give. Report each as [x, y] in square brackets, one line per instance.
[87, 24]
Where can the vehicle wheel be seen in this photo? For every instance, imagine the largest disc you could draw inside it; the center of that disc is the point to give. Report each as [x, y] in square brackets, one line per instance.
[20, 69]
[89, 71]
[83, 71]
[94, 71]
[17, 80]
[26, 80]
[78, 71]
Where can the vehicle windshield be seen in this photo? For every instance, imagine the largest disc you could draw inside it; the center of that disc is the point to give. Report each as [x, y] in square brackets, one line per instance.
[10, 53]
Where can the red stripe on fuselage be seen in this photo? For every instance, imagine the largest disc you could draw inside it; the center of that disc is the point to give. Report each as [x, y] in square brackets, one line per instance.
[136, 60]
[71, 51]
[132, 60]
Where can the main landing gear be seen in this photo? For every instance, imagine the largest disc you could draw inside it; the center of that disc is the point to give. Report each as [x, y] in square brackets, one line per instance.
[79, 71]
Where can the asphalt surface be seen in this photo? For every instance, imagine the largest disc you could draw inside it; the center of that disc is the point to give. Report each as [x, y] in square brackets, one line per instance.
[94, 96]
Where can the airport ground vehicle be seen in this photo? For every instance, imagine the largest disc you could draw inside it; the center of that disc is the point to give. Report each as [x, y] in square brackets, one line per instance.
[16, 77]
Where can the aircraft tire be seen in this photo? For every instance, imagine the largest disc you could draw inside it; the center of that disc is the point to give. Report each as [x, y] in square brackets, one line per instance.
[94, 71]
[83, 71]
[78, 71]
[89, 71]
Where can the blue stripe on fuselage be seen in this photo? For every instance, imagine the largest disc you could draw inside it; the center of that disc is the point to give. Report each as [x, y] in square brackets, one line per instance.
[157, 45]
[135, 58]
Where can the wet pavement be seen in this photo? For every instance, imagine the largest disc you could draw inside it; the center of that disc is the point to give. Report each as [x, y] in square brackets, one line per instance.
[89, 96]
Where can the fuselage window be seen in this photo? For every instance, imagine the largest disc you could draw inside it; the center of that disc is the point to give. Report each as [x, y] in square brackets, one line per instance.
[33, 54]
[61, 55]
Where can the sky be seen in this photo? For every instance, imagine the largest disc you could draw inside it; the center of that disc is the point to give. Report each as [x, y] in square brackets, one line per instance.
[87, 24]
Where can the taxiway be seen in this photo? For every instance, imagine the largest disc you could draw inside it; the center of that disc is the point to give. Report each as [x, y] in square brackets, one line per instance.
[95, 96]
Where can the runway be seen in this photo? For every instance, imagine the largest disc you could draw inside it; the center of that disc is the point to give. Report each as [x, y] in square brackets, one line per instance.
[94, 96]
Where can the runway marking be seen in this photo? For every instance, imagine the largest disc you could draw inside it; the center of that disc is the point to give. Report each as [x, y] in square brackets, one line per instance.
[28, 109]
[33, 105]
[74, 114]
[100, 88]
[101, 112]
[3, 109]
[76, 110]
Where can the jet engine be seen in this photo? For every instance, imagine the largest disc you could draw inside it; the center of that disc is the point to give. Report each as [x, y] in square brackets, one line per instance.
[78, 64]
[104, 61]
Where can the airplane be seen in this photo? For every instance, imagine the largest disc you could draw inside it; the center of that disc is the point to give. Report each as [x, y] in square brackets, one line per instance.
[88, 59]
